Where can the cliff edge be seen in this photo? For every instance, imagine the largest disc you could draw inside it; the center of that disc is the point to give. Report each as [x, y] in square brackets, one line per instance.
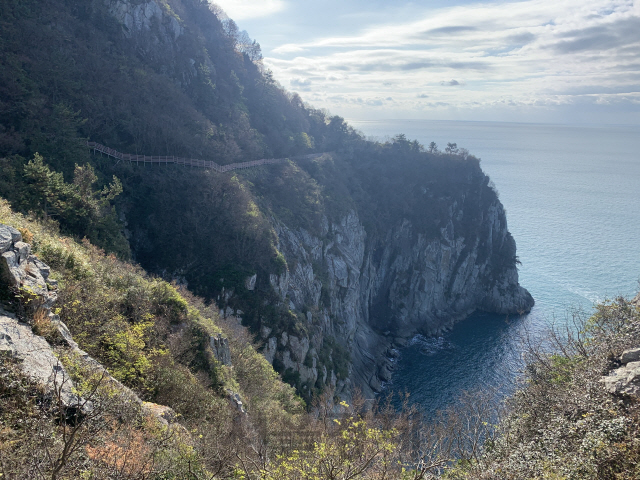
[371, 289]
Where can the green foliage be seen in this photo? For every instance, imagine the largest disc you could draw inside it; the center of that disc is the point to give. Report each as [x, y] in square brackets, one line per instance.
[78, 207]
[335, 357]
[147, 331]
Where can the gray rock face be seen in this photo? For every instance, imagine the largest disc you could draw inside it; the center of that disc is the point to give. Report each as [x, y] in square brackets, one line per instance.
[378, 290]
[220, 347]
[37, 360]
[21, 270]
[250, 282]
[625, 381]
[632, 355]
[8, 236]
[142, 16]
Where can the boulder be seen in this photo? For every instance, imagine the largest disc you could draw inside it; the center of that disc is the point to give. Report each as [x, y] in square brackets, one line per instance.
[625, 380]
[20, 269]
[220, 347]
[236, 401]
[8, 236]
[37, 360]
[632, 355]
[166, 415]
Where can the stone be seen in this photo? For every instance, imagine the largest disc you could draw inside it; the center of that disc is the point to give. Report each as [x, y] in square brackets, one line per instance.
[23, 251]
[288, 362]
[7, 237]
[375, 384]
[624, 381]
[166, 415]
[298, 348]
[37, 360]
[9, 272]
[44, 269]
[265, 331]
[250, 282]
[632, 355]
[33, 280]
[270, 349]
[236, 401]
[384, 373]
[221, 350]
[284, 338]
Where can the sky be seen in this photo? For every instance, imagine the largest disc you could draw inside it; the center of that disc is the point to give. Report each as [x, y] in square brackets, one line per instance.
[532, 61]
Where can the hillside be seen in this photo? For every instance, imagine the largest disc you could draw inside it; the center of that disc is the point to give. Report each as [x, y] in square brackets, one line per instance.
[185, 395]
[332, 262]
[164, 322]
[204, 386]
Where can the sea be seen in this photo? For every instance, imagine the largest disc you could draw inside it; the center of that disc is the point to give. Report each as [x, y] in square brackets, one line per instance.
[572, 197]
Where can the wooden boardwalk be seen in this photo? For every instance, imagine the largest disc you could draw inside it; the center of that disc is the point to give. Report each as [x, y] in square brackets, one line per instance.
[190, 162]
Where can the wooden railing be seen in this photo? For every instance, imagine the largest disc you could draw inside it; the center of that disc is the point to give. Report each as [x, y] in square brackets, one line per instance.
[191, 162]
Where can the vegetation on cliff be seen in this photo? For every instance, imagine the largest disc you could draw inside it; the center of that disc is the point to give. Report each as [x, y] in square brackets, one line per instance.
[176, 77]
[566, 422]
[155, 339]
[563, 423]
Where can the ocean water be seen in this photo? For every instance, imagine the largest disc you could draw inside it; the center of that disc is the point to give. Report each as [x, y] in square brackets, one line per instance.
[572, 196]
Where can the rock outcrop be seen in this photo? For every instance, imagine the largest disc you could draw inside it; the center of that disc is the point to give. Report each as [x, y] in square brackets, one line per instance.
[37, 360]
[144, 16]
[21, 270]
[220, 347]
[625, 380]
[372, 293]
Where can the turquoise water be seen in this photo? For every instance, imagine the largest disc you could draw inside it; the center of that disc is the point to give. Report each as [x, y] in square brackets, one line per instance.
[572, 195]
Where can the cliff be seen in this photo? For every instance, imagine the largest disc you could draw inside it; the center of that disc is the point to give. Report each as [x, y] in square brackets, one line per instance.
[373, 291]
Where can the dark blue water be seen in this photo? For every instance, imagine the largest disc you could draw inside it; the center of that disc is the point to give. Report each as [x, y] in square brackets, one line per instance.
[572, 195]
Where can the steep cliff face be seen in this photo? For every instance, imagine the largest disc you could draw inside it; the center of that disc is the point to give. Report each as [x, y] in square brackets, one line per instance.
[369, 293]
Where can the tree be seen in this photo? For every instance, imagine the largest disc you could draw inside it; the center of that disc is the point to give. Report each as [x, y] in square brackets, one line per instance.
[46, 189]
[452, 148]
[79, 207]
[433, 148]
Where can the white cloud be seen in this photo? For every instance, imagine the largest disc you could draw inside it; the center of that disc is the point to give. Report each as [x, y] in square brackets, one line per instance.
[538, 53]
[246, 9]
[288, 48]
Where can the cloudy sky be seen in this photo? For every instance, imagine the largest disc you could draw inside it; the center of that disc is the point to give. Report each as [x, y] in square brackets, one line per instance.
[556, 61]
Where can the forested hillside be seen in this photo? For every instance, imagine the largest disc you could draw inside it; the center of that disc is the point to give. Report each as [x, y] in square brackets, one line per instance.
[177, 78]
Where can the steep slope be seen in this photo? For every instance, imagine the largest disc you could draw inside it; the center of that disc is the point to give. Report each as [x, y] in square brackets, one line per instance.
[156, 384]
[420, 270]
[331, 262]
